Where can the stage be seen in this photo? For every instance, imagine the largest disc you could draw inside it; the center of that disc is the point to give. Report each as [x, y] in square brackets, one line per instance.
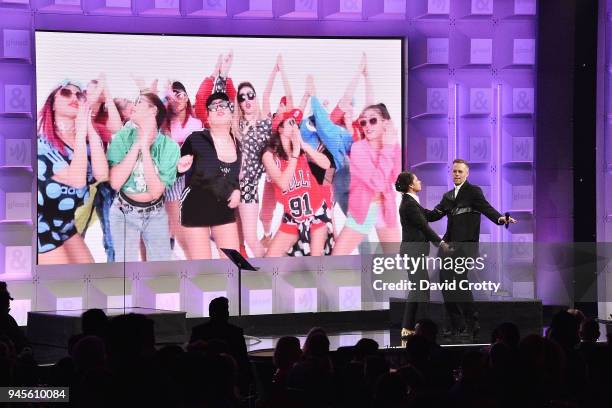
[49, 332]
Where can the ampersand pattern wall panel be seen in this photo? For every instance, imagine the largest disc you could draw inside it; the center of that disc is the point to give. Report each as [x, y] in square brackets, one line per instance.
[470, 93]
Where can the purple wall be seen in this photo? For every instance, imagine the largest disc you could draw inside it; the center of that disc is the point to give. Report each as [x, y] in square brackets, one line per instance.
[471, 80]
[604, 134]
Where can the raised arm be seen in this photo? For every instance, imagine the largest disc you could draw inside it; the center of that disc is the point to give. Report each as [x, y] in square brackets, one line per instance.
[278, 177]
[122, 158]
[265, 107]
[317, 157]
[204, 91]
[114, 122]
[285, 80]
[369, 91]
[155, 185]
[75, 174]
[349, 92]
[99, 164]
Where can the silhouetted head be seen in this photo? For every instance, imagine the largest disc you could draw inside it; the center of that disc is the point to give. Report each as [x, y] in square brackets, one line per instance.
[507, 333]
[287, 352]
[589, 330]
[364, 348]
[427, 329]
[218, 309]
[94, 322]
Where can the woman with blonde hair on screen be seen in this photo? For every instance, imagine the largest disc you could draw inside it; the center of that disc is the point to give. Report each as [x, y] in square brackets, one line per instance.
[211, 160]
[70, 158]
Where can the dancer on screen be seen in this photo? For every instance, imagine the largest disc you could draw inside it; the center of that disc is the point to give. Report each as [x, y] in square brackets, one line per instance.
[181, 123]
[255, 126]
[374, 163]
[211, 160]
[143, 165]
[70, 158]
[306, 204]
[107, 120]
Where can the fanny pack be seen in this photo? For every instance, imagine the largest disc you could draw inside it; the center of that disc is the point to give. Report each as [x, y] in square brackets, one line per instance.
[462, 210]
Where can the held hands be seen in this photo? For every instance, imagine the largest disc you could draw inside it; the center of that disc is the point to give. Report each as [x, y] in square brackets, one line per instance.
[363, 65]
[169, 92]
[217, 71]
[226, 64]
[390, 136]
[444, 246]
[296, 142]
[103, 87]
[310, 86]
[83, 119]
[184, 163]
[279, 63]
[234, 199]
[502, 220]
[142, 85]
[147, 131]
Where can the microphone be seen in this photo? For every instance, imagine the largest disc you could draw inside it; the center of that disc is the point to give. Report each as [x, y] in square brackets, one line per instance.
[507, 215]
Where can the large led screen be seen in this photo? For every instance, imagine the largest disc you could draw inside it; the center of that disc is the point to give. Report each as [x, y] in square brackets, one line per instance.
[156, 147]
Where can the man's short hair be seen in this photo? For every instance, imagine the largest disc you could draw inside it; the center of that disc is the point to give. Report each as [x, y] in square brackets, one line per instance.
[462, 162]
[219, 308]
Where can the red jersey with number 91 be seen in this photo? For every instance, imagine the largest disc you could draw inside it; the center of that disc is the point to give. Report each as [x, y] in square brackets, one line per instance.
[305, 195]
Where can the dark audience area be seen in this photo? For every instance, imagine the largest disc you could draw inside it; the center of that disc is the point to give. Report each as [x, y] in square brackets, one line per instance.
[115, 362]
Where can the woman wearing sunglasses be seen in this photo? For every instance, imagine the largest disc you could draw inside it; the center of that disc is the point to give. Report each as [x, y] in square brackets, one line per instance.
[217, 81]
[211, 160]
[306, 203]
[70, 158]
[374, 162]
[181, 123]
[143, 164]
[255, 126]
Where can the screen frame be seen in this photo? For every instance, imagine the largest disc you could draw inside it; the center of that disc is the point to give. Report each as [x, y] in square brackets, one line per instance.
[403, 78]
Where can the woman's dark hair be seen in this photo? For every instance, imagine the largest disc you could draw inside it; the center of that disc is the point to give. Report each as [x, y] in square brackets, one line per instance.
[178, 86]
[403, 181]
[382, 110]
[160, 117]
[241, 85]
[287, 352]
[244, 84]
[275, 145]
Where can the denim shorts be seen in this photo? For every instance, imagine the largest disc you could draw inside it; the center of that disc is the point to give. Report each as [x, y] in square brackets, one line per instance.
[368, 224]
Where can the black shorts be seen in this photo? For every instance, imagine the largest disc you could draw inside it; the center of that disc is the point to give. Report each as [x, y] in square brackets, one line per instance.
[201, 208]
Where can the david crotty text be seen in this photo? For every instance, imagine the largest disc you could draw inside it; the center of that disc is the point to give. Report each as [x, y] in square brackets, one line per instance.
[424, 284]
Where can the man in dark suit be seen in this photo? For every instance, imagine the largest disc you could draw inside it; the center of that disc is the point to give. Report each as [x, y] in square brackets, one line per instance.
[218, 328]
[416, 236]
[463, 206]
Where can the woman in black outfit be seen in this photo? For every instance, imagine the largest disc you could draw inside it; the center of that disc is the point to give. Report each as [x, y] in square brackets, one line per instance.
[416, 236]
[211, 160]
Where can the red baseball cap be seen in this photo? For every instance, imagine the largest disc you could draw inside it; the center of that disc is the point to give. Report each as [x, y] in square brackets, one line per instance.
[281, 117]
